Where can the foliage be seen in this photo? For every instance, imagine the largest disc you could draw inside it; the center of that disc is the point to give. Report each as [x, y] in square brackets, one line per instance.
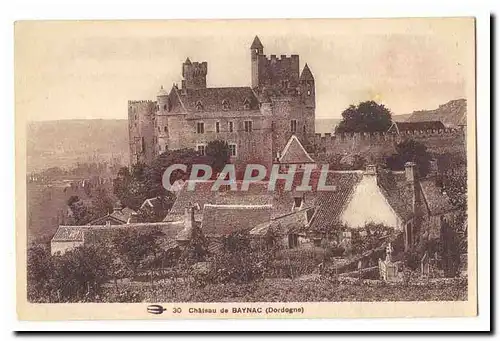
[346, 162]
[410, 150]
[370, 237]
[219, 153]
[80, 212]
[161, 206]
[367, 117]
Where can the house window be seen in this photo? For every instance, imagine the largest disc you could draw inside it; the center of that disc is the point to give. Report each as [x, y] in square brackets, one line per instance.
[293, 241]
[200, 128]
[165, 129]
[199, 106]
[159, 129]
[293, 126]
[225, 105]
[231, 127]
[217, 127]
[248, 126]
[232, 149]
[201, 149]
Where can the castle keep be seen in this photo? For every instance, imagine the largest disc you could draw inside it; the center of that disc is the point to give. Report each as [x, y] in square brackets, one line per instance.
[255, 121]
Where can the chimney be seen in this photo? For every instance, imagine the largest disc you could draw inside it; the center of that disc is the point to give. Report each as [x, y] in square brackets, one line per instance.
[410, 172]
[189, 217]
[371, 174]
[433, 167]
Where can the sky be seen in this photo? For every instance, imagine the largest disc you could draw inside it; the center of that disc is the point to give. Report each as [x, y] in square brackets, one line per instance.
[90, 69]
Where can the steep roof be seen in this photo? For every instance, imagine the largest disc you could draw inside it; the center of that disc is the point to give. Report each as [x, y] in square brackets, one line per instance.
[306, 74]
[69, 234]
[437, 201]
[220, 220]
[211, 99]
[256, 43]
[415, 126]
[294, 152]
[332, 203]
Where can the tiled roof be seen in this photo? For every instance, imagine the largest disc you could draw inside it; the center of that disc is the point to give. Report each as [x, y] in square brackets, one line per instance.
[332, 203]
[95, 233]
[395, 190]
[294, 222]
[214, 99]
[120, 216]
[294, 152]
[69, 234]
[221, 220]
[416, 126]
[437, 201]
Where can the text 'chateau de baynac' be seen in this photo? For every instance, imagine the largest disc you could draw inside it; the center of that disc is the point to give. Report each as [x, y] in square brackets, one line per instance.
[256, 121]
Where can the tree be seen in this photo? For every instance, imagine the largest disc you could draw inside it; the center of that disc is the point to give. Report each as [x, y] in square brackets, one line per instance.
[80, 213]
[39, 273]
[366, 117]
[410, 150]
[219, 152]
[161, 206]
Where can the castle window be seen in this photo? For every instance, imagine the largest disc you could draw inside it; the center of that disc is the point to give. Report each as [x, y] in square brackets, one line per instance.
[304, 128]
[246, 104]
[164, 107]
[201, 149]
[232, 149]
[248, 126]
[165, 129]
[225, 104]
[135, 117]
[200, 128]
[308, 92]
[231, 127]
[159, 129]
[272, 125]
[293, 126]
[217, 127]
[199, 106]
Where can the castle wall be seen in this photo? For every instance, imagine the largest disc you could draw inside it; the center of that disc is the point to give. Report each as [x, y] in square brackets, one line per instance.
[382, 144]
[272, 71]
[141, 131]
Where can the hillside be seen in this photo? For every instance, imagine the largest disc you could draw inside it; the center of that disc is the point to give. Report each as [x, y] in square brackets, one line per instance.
[452, 114]
[65, 142]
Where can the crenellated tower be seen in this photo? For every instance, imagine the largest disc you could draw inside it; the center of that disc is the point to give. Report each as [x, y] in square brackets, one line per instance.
[195, 75]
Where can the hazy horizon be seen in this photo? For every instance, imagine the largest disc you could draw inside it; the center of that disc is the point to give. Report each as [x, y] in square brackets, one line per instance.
[89, 70]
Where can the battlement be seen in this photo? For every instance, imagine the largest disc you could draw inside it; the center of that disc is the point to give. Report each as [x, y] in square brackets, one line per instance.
[130, 102]
[283, 57]
[377, 136]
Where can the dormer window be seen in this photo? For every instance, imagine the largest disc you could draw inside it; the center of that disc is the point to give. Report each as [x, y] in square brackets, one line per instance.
[246, 104]
[199, 106]
[225, 105]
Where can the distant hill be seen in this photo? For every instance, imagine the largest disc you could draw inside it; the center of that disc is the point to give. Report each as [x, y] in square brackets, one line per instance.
[65, 142]
[452, 114]
[327, 125]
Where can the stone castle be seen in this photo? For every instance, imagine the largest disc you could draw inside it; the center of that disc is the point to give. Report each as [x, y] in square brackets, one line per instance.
[255, 121]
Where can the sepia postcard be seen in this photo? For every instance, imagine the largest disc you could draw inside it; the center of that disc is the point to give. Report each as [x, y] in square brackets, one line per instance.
[200, 169]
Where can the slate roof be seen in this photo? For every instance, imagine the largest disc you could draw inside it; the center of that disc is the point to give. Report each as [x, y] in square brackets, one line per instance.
[294, 152]
[306, 74]
[256, 43]
[211, 99]
[221, 220]
[398, 127]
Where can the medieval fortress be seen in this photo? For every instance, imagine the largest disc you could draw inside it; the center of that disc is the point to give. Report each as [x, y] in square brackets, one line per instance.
[256, 121]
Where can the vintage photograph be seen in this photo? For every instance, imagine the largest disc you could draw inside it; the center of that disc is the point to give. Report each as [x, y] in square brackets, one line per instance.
[246, 161]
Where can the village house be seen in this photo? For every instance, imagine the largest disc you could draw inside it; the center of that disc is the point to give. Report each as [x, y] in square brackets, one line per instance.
[119, 216]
